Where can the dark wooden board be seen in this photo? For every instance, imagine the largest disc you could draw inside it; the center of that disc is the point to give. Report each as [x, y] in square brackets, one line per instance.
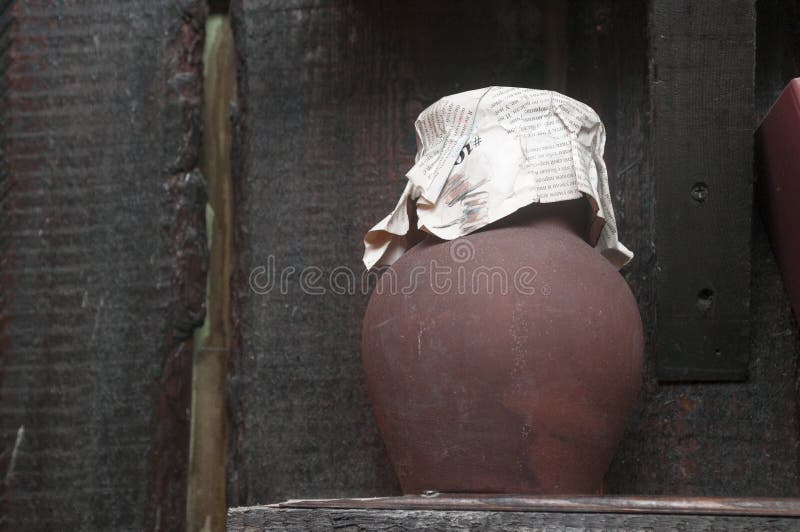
[762, 507]
[777, 50]
[722, 439]
[328, 96]
[103, 255]
[402, 520]
[479, 512]
[702, 87]
[733, 439]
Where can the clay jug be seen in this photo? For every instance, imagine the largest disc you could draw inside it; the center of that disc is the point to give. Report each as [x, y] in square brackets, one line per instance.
[507, 361]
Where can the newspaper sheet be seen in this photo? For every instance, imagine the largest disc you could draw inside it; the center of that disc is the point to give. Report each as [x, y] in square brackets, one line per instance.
[483, 154]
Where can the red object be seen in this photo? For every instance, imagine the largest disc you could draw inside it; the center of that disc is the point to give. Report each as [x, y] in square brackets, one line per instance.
[520, 390]
[778, 141]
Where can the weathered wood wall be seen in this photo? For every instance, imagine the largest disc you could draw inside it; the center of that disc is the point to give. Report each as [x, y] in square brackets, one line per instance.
[690, 439]
[328, 95]
[103, 257]
[520, 512]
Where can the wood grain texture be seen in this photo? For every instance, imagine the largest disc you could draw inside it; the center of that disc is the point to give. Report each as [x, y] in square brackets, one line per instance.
[702, 87]
[266, 518]
[329, 92]
[777, 50]
[206, 500]
[762, 507]
[103, 261]
[734, 439]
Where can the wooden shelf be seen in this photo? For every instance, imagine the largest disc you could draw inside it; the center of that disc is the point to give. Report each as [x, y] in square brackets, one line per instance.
[474, 511]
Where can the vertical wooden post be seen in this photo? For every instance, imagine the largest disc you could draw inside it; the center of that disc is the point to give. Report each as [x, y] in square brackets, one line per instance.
[102, 261]
[702, 89]
[207, 464]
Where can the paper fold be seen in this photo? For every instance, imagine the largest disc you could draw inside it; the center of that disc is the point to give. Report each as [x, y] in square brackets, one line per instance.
[483, 154]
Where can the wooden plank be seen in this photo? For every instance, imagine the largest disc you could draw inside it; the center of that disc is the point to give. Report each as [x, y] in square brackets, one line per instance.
[702, 86]
[103, 257]
[206, 500]
[257, 518]
[691, 438]
[402, 520]
[328, 96]
[783, 507]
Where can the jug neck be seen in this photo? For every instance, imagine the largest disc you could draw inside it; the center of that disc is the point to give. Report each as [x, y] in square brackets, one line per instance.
[571, 216]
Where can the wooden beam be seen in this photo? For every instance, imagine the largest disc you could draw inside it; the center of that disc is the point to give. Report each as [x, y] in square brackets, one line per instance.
[102, 261]
[511, 512]
[702, 89]
[206, 502]
[754, 506]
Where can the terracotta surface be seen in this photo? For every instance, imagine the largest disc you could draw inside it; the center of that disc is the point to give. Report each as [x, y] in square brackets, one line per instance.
[517, 392]
[779, 186]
